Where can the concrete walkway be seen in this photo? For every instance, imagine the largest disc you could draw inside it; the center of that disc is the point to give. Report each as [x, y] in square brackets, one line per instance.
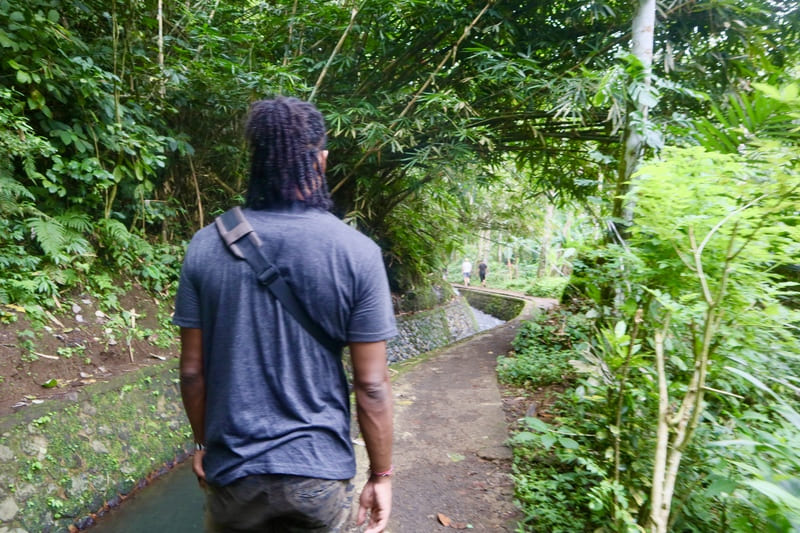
[450, 435]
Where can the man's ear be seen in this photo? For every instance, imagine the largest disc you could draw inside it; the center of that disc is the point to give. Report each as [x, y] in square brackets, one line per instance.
[322, 158]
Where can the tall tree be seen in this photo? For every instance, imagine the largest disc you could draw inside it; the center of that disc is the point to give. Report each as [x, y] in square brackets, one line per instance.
[636, 120]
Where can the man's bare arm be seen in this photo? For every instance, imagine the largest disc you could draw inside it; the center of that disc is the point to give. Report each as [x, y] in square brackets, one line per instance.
[374, 410]
[193, 389]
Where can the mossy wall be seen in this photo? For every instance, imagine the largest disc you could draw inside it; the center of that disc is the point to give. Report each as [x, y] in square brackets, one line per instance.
[63, 460]
[498, 305]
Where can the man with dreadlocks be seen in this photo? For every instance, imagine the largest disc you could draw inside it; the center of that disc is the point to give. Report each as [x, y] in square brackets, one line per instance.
[269, 404]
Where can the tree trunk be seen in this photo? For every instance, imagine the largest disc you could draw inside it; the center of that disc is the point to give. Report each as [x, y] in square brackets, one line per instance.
[566, 267]
[644, 21]
[547, 236]
[674, 433]
[115, 51]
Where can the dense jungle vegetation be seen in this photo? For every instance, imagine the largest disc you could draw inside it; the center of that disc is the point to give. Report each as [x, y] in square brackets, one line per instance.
[639, 157]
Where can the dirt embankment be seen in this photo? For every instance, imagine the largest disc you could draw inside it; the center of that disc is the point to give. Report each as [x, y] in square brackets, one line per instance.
[78, 344]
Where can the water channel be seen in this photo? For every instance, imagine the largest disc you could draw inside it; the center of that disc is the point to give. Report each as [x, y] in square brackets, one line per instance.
[173, 503]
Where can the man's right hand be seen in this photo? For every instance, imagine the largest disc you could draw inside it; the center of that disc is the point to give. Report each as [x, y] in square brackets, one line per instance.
[373, 391]
[376, 498]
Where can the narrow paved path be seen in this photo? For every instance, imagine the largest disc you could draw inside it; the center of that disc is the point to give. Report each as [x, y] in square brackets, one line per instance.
[450, 435]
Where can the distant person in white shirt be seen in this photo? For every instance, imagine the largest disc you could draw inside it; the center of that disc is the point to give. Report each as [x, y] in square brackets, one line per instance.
[466, 268]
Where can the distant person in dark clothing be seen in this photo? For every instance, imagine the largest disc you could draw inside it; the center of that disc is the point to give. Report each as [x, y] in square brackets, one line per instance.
[269, 405]
[482, 268]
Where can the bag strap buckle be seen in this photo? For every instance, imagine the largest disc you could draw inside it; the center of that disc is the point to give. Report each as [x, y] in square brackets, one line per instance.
[268, 275]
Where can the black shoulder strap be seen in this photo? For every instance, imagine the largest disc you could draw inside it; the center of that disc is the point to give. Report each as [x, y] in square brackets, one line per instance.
[233, 227]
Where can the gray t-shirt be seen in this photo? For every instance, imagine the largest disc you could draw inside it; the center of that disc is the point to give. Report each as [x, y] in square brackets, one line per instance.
[276, 401]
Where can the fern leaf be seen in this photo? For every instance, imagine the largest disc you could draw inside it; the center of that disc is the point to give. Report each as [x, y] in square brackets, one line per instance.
[11, 191]
[75, 220]
[49, 233]
[113, 230]
[77, 245]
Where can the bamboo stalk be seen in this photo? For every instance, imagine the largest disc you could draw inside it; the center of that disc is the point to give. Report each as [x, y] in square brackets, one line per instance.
[224, 185]
[200, 217]
[114, 50]
[338, 47]
[291, 31]
[642, 35]
[162, 84]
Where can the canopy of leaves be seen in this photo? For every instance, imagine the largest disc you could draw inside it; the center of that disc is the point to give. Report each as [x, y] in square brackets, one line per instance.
[105, 113]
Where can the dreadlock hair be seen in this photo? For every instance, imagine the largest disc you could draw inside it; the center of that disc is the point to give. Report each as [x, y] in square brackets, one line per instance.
[286, 136]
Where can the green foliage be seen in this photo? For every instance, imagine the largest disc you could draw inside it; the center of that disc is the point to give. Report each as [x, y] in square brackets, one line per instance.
[25, 340]
[535, 367]
[421, 117]
[68, 351]
[576, 452]
[424, 297]
[767, 454]
[79, 153]
[731, 219]
[560, 473]
[417, 238]
[711, 263]
[542, 350]
[551, 287]
[547, 495]
[155, 266]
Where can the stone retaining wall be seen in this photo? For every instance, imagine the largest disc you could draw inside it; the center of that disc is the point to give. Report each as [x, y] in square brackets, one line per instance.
[424, 331]
[64, 459]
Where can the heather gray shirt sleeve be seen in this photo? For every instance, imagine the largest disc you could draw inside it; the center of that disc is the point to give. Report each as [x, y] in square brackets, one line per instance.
[373, 317]
[187, 299]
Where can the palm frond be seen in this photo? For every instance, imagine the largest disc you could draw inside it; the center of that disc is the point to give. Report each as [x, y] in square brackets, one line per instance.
[740, 118]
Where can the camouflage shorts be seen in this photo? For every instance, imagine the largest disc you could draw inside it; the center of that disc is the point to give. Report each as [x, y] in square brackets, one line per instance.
[279, 503]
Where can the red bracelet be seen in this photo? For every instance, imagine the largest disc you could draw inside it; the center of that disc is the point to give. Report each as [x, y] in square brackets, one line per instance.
[387, 473]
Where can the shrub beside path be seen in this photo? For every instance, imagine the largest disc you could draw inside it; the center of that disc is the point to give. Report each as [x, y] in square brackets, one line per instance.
[452, 464]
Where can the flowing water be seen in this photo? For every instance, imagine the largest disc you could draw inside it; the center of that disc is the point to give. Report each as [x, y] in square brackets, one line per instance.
[174, 503]
[485, 321]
